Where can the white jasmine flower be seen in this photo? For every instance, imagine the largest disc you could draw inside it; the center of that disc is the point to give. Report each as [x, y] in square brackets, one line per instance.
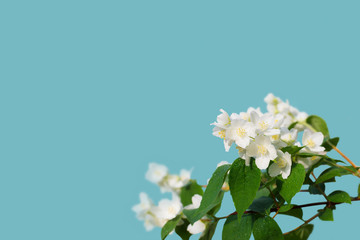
[283, 107]
[277, 142]
[143, 207]
[264, 124]
[278, 120]
[173, 183]
[223, 120]
[221, 133]
[247, 115]
[313, 141]
[262, 150]
[196, 200]
[271, 99]
[198, 227]
[288, 136]
[156, 173]
[243, 155]
[167, 209]
[150, 222]
[281, 165]
[309, 161]
[301, 117]
[241, 132]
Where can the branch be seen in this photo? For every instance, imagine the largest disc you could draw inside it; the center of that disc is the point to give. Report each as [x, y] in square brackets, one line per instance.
[306, 222]
[295, 207]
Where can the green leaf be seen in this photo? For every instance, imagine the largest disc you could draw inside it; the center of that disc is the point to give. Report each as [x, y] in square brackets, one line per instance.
[318, 124]
[326, 214]
[263, 192]
[267, 229]
[169, 226]
[182, 231]
[235, 230]
[188, 191]
[217, 203]
[291, 149]
[339, 197]
[302, 233]
[286, 208]
[292, 125]
[294, 212]
[330, 173]
[209, 231]
[317, 188]
[261, 204]
[359, 190]
[293, 183]
[210, 195]
[306, 155]
[334, 141]
[244, 182]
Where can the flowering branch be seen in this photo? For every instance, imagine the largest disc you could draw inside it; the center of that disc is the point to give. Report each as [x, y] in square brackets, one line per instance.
[278, 152]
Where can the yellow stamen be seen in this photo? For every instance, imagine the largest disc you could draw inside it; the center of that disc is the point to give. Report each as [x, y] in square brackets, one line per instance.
[262, 150]
[240, 132]
[222, 134]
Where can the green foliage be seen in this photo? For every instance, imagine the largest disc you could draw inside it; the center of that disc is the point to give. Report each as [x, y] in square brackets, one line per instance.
[217, 203]
[326, 214]
[210, 195]
[293, 183]
[188, 191]
[292, 125]
[209, 231]
[169, 226]
[182, 231]
[332, 141]
[244, 182]
[339, 197]
[331, 173]
[292, 149]
[302, 233]
[319, 125]
[265, 228]
[285, 208]
[359, 190]
[238, 230]
[317, 188]
[263, 192]
[294, 212]
[262, 204]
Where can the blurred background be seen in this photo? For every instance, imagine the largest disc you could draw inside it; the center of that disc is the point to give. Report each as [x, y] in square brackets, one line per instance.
[91, 92]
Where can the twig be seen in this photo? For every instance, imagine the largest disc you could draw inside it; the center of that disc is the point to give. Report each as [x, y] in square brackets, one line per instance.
[306, 222]
[298, 206]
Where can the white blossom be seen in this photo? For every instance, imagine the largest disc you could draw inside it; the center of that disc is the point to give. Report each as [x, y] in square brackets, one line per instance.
[198, 227]
[312, 141]
[281, 165]
[241, 132]
[143, 207]
[156, 173]
[196, 200]
[247, 115]
[223, 120]
[288, 136]
[167, 209]
[264, 124]
[262, 150]
[309, 161]
[173, 183]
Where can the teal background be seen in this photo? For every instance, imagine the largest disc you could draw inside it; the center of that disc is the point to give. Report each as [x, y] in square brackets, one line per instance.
[92, 91]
